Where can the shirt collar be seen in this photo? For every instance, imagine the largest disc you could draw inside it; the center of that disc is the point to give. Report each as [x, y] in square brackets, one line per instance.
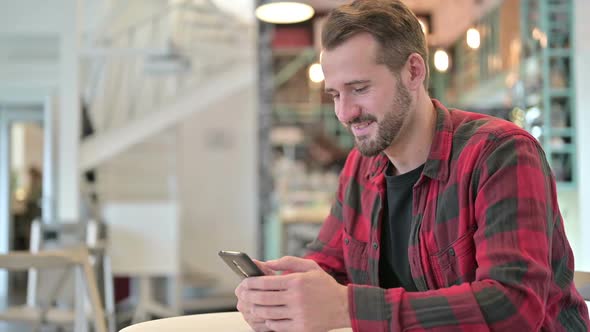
[437, 164]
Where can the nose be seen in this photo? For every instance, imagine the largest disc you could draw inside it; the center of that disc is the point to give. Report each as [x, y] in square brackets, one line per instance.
[346, 109]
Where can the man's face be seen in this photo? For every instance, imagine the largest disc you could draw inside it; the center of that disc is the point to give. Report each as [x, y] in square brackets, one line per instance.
[370, 101]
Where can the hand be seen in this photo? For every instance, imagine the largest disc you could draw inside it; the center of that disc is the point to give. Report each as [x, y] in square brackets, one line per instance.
[308, 299]
[245, 307]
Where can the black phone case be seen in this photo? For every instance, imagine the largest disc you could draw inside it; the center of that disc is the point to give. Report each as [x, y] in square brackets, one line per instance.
[240, 263]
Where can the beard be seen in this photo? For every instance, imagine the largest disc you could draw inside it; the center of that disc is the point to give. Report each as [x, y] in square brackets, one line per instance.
[388, 128]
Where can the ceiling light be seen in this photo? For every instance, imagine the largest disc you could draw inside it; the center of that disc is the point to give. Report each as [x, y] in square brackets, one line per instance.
[532, 114]
[284, 12]
[424, 26]
[537, 132]
[316, 74]
[441, 60]
[473, 39]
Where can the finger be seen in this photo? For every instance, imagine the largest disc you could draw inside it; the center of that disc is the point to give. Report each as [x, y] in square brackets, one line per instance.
[266, 297]
[271, 312]
[244, 307]
[263, 266]
[257, 325]
[293, 264]
[248, 317]
[260, 327]
[247, 314]
[280, 324]
[251, 319]
[267, 283]
[240, 289]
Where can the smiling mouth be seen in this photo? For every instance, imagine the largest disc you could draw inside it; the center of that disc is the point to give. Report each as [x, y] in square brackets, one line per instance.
[362, 125]
[361, 128]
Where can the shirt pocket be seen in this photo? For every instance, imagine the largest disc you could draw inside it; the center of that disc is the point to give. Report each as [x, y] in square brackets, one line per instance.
[356, 259]
[456, 263]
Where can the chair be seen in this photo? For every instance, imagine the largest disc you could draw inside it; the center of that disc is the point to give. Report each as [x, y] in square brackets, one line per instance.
[145, 245]
[49, 298]
[76, 258]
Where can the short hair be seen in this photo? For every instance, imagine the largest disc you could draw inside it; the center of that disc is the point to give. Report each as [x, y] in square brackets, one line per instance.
[393, 25]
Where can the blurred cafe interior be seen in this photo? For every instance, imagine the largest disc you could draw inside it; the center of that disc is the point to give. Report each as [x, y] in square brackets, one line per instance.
[154, 133]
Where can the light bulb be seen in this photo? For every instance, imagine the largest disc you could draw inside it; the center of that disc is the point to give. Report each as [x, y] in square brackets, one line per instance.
[315, 72]
[284, 12]
[473, 39]
[441, 60]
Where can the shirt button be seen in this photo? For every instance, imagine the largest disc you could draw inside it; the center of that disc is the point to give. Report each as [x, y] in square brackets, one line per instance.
[346, 241]
[452, 252]
[375, 245]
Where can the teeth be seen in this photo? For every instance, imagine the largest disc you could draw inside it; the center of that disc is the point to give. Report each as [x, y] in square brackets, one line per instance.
[362, 125]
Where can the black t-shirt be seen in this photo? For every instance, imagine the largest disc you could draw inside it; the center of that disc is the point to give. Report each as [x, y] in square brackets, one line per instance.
[394, 267]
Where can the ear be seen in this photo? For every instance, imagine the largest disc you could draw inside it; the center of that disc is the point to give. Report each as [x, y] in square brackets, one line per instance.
[415, 70]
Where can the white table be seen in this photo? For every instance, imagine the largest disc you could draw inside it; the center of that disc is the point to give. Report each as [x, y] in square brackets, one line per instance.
[219, 322]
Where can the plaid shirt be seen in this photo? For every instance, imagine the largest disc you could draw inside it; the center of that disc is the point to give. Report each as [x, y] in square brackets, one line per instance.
[488, 250]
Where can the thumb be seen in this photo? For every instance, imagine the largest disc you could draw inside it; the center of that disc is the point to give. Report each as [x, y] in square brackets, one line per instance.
[264, 267]
[292, 264]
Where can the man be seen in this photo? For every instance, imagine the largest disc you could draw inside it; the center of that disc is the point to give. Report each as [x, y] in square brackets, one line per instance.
[444, 220]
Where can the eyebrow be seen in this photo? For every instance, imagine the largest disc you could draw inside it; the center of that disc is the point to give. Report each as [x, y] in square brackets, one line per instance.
[355, 82]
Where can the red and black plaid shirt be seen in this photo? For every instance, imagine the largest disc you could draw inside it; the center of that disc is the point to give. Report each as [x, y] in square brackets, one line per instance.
[488, 250]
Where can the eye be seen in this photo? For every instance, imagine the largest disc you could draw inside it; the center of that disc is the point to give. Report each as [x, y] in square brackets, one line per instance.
[334, 95]
[361, 89]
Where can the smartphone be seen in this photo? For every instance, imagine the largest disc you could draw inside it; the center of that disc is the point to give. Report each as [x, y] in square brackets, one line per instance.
[241, 264]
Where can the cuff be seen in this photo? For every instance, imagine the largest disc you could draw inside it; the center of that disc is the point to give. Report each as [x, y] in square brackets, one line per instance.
[368, 308]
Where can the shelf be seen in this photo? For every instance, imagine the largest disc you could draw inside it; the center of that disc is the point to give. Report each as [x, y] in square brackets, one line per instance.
[566, 186]
[560, 93]
[560, 8]
[564, 149]
[554, 71]
[559, 52]
[562, 132]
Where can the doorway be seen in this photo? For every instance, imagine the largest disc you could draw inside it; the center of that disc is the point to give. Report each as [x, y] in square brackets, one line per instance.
[25, 180]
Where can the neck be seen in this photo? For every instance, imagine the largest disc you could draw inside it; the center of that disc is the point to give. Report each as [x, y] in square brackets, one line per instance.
[411, 147]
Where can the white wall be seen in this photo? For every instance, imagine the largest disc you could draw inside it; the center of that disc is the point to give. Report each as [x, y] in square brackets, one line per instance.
[241, 9]
[582, 72]
[217, 163]
[143, 173]
[122, 14]
[41, 17]
[31, 16]
[218, 184]
[570, 211]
